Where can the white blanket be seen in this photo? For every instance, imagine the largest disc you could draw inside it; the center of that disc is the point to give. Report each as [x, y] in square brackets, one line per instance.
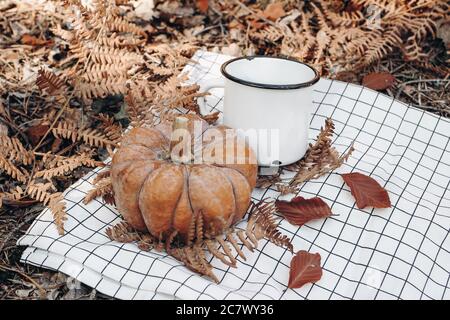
[397, 253]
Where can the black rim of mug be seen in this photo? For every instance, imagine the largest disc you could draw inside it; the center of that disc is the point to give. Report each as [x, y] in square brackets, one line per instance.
[266, 85]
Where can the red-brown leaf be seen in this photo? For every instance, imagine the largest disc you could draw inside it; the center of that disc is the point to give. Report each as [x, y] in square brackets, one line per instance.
[299, 210]
[274, 11]
[305, 268]
[202, 5]
[367, 191]
[30, 40]
[378, 80]
[36, 132]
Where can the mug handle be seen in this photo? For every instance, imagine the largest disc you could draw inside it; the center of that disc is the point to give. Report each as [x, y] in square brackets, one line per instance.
[212, 83]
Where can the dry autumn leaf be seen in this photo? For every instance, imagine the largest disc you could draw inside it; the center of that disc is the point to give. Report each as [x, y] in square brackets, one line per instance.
[299, 210]
[36, 132]
[378, 80]
[34, 41]
[305, 268]
[202, 5]
[274, 11]
[367, 191]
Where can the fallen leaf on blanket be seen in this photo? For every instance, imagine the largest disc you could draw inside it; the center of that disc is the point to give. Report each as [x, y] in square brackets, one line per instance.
[378, 80]
[305, 268]
[274, 11]
[299, 210]
[367, 191]
[202, 5]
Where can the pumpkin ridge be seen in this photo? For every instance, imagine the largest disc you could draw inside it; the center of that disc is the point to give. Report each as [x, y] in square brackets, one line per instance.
[232, 168]
[140, 145]
[145, 180]
[234, 193]
[188, 193]
[178, 202]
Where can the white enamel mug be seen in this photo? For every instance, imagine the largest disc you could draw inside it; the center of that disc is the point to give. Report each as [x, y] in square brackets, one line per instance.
[269, 99]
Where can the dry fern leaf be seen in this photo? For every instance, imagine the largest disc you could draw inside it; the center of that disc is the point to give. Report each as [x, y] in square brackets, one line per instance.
[93, 137]
[58, 208]
[101, 88]
[102, 188]
[382, 47]
[67, 165]
[13, 195]
[320, 158]
[344, 18]
[49, 82]
[40, 191]
[95, 72]
[122, 232]
[193, 259]
[54, 201]
[13, 150]
[10, 169]
[118, 24]
[105, 55]
[136, 111]
[111, 129]
[101, 175]
[263, 223]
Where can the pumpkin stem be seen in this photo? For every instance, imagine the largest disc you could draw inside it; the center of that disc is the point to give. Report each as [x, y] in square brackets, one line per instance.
[180, 141]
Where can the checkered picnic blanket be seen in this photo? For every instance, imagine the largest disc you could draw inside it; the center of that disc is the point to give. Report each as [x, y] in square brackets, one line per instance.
[398, 253]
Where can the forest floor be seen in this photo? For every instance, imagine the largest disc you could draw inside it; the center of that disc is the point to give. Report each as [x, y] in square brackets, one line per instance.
[423, 87]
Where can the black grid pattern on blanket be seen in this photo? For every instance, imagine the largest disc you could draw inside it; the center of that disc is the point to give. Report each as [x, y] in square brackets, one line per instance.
[397, 253]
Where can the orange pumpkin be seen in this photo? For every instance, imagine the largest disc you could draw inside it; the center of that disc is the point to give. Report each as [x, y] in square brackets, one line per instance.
[163, 196]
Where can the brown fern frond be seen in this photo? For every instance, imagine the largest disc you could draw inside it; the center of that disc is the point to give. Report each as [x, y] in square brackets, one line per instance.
[199, 234]
[49, 82]
[320, 158]
[100, 89]
[101, 175]
[122, 232]
[227, 250]
[264, 224]
[147, 242]
[382, 47]
[212, 248]
[93, 137]
[344, 18]
[241, 236]
[13, 150]
[231, 238]
[169, 240]
[106, 56]
[191, 232]
[194, 259]
[15, 194]
[102, 188]
[67, 165]
[136, 112]
[40, 191]
[10, 169]
[118, 24]
[58, 208]
[43, 192]
[96, 72]
[111, 129]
